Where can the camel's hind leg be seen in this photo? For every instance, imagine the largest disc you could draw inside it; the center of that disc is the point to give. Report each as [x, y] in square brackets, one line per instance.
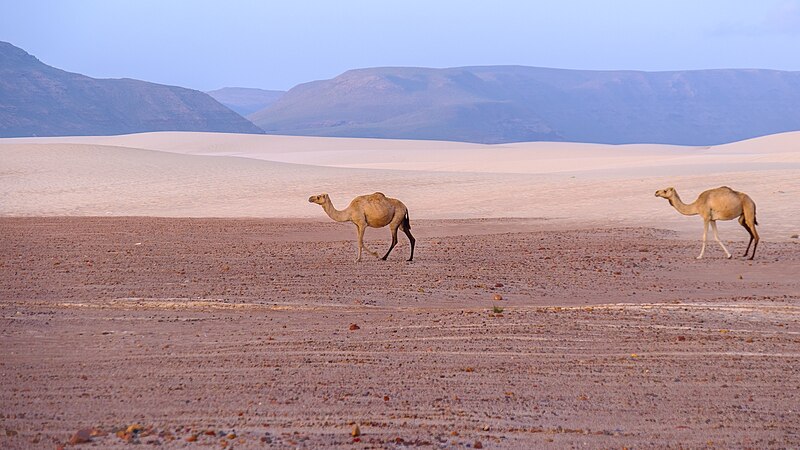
[716, 237]
[705, 235]
[743, 223]
[406, 227]
[755, 241]
[392, 227]
[411, 240]
[750, 221]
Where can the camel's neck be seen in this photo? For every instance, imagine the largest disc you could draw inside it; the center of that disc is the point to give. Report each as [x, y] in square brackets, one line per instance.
[683, 208]
[335, 214]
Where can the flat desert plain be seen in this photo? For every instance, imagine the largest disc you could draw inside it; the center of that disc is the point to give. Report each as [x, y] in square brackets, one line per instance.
[178, 290]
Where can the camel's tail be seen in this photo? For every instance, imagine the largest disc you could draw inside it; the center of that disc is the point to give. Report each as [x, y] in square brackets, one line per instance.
[406, 222]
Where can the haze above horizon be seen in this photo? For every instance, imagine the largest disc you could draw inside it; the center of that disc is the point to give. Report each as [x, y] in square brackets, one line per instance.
[207, 45]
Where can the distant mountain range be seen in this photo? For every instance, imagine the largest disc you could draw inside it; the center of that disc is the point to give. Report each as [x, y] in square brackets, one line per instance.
[40, 100]
[245, 101]
[491, 104]
[497, 104]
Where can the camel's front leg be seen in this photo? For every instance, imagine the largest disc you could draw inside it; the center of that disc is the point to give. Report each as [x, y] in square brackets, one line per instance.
[716, 236]
[360, 241]
[705, 234]
[361, 245]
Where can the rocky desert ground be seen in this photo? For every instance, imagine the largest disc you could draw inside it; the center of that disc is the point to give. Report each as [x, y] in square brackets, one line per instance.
[502, 333]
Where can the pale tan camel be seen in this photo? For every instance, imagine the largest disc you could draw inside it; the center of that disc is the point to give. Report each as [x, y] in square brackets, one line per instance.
[722, 203]
[373, 210]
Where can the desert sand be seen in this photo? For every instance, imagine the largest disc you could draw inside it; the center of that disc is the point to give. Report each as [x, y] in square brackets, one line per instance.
[228, 175]
[177, 289]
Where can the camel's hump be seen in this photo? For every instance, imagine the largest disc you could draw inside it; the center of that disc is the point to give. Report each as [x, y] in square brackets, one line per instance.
[378, 194]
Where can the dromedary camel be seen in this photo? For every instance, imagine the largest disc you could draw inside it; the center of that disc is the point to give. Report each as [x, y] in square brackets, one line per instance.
[722, 203]
[373, 210]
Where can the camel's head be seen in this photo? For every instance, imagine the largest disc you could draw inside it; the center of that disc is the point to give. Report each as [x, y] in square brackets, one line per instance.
[319, 199]
[666, 193]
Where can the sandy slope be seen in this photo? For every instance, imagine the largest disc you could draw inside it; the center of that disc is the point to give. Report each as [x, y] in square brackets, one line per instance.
[195, 175]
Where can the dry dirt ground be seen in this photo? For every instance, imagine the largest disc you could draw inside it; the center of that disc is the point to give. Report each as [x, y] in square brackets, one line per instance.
[226, 333]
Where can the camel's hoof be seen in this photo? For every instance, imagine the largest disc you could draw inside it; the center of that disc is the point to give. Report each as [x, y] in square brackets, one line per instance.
[383, 259]
[730, 256]
[699, 257]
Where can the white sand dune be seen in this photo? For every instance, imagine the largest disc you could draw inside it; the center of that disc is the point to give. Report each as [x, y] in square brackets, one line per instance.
[231, 175]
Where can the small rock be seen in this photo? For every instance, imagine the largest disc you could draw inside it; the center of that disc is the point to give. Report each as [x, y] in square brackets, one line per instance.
[354, 327]
[135, 428]
[498, 285]
[124, 436]
[681, 338]
[498, 297]
[477, 444]
[356, 431]
[232, 436]
[81, 437]
[192, 438]
[794, 236]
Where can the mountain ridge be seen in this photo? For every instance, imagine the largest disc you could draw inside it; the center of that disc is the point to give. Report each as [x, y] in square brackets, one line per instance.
[40, 100]
[245, 101]
[497, 104]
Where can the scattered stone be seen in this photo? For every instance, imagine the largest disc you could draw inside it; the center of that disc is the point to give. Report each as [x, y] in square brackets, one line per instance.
[681, 338]
[232, 436]
[354, 327]
[794, 236]
[386, 398]
[498, 297]
[477, 444]
[124, 436]
[192, 438]
[81, 437]
[135, 428]
[498, 285]
[356, 431]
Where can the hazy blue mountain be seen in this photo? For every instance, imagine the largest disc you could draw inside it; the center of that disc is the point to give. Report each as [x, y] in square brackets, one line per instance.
[245, 101]
[39, 100]
[497, 104]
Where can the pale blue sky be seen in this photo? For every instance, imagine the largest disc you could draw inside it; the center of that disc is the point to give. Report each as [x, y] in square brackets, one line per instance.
[276, 45]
